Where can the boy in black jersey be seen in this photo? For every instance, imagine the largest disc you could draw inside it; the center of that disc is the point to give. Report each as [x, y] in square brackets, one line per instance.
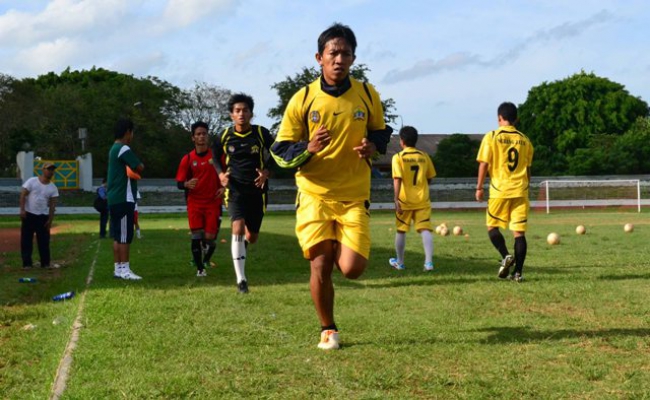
[245, 178]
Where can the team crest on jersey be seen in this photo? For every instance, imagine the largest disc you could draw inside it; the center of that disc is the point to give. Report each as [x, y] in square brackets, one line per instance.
[314, 117]
[231, 149]
[359, 114]
[210, 161]
[255, 149]
[195, 163]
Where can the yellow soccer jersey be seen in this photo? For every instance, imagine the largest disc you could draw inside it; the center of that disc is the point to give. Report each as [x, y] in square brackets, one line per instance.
[336, 172]
[415, 168]
[508, 154]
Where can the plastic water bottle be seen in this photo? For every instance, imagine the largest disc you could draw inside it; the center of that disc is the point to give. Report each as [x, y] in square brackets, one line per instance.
[26, 280]
[63, 296]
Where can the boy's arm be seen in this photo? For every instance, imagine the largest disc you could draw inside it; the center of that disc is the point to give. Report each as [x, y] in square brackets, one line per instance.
[482, 172]
[397, 187]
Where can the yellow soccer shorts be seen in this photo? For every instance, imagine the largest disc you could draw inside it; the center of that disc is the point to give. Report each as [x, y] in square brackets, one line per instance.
[421, 219]
[345, 222]
[508, 213]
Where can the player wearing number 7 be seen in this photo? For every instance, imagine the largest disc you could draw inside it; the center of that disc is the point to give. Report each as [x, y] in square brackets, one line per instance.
[412, 172]
[506, 155]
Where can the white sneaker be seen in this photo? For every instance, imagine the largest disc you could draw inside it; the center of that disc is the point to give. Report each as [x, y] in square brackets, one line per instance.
[202, 273]
[395, 264]
[506, 263]
[126, 274]
[428, 266]
[329, 340]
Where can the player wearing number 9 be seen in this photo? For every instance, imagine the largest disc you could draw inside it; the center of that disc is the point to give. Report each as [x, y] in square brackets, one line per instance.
[506, 156]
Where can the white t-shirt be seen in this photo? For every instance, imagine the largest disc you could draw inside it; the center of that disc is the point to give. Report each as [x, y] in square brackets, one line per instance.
[38, 200]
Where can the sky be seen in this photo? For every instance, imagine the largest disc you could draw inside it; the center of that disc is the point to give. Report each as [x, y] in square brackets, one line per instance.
[446, 64]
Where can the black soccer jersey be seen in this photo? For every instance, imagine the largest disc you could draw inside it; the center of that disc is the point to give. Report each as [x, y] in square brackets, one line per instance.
[244, 153]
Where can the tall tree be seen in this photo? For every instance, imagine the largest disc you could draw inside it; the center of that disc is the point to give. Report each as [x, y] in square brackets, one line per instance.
[560, 117]
[307, 75]
[204, 102]
[48, 111]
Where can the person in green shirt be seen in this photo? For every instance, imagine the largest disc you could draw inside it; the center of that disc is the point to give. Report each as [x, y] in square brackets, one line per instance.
[122, 194]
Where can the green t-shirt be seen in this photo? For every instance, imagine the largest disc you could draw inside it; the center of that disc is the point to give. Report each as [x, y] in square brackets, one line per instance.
[121, 189]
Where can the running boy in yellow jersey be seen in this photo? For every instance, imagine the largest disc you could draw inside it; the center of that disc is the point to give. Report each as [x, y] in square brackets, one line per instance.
[506, 155]
[329, 131]
[412, 172]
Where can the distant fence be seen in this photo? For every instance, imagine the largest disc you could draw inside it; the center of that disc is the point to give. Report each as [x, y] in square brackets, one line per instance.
[161, 195]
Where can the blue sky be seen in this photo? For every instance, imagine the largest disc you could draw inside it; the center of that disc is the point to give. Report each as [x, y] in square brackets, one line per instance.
[447, 64]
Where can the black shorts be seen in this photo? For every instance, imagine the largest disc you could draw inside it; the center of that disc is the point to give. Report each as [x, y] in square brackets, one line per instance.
[122, 222]
[249, 206]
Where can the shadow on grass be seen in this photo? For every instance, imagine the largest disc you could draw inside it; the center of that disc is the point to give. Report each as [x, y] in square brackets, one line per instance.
[162, 257]
[507, 334]
[624, 277]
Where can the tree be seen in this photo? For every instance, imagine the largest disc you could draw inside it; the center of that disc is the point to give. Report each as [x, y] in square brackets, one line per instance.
[561, 117]
[291, 85]
[48, 111]
[456, 156]
[204, 102]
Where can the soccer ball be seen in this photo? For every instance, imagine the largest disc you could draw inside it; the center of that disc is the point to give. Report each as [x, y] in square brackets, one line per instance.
[629, 228]
[458, 230]
[438, 228]
[580, 230]
[553, 238]
[444, 231]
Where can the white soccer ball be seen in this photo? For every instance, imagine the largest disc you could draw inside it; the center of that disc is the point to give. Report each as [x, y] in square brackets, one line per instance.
[458, 230]
[553, 238]
[581, 230]
[444, 231]
[438, 228]
[629, 228]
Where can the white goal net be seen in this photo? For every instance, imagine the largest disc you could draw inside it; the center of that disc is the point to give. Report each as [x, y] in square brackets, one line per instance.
[590, 193]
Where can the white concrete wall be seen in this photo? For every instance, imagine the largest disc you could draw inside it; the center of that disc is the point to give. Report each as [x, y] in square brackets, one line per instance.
[25, 162]
[86, 172]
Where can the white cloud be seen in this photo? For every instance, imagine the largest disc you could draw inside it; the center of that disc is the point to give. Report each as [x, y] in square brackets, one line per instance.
[49, 56]
[180, 13]
[60, 19]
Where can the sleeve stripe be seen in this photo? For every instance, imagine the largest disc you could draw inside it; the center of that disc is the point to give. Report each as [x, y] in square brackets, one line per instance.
[294, 163]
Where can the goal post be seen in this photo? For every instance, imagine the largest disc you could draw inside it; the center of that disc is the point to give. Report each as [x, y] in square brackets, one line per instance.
[591, 193]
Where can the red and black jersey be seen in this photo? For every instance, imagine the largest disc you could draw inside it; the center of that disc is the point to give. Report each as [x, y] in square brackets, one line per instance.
[200, 166]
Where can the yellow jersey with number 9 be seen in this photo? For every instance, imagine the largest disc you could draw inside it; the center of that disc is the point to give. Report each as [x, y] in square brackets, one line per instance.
[509, 154]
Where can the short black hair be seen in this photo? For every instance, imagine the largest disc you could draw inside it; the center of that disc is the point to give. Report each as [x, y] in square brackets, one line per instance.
[508, 111]
[122, 126]
[199, 124]
[240, 98]
[337, 30]
[409, 135]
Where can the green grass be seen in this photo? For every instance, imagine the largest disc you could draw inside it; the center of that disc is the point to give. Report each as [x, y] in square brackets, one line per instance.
[578, 327]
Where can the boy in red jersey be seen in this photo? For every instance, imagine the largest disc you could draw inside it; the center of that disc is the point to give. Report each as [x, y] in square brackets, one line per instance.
[197, 176]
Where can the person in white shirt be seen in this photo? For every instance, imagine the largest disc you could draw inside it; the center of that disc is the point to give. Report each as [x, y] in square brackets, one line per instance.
[37, 205]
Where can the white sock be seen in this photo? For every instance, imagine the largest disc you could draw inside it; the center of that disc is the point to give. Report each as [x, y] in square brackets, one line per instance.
[238, 250]
[400, 245]
[126, 266]
[118, 266]
[427, 243]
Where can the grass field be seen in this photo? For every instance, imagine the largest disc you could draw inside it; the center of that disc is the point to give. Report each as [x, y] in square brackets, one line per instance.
[578, 327]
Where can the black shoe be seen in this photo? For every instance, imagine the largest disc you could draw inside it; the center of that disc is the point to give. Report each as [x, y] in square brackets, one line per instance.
[242, 287]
